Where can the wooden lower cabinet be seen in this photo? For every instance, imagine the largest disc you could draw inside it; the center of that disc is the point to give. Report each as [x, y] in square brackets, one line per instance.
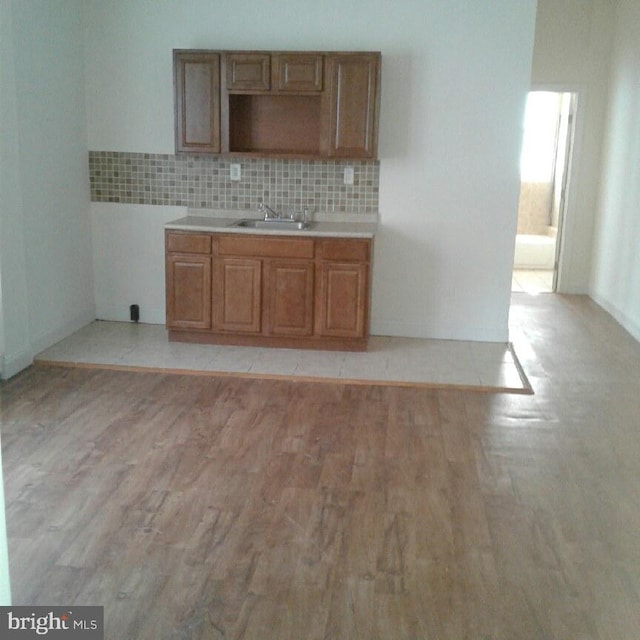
[266, 290]
[289, 290]
[342, 303]
[237, 295]
[188, 283]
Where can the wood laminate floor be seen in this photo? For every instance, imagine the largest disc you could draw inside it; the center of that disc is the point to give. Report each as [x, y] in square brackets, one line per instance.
[205, 507]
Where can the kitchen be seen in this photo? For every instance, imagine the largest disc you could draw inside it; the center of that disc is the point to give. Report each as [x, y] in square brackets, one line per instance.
[446, 136]
[81, 77]
[110, 261]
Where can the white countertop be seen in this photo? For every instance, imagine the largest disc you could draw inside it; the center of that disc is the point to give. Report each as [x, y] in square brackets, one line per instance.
[319, 228]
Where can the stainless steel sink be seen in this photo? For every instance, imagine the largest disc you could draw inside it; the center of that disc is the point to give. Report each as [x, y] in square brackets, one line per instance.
[278, 224]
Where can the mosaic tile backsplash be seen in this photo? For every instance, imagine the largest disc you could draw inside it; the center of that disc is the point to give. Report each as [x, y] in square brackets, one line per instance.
[203, 182]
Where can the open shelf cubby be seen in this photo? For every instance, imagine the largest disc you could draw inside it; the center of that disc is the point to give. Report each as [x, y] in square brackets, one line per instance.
[274, 123]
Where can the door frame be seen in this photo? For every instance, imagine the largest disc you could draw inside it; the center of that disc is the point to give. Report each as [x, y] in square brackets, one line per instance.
[566, 182]
[566, 244]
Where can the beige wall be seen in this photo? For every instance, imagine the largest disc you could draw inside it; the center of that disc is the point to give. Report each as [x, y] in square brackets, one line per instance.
[534, 207]
[572, 52]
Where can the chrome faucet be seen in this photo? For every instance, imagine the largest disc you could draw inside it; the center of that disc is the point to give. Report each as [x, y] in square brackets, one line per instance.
[268, 212]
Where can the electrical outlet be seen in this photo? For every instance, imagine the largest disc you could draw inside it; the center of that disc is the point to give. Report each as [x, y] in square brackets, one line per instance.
[235, 172]
[348, 175]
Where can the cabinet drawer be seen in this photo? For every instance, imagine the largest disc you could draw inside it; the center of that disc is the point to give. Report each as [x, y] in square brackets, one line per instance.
[262, 246]
[188, 243]
[344, 249]
[248, 71]
[298, 72]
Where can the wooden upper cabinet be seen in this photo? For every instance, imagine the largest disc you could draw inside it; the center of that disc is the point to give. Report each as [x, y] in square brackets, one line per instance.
[197, 101]
[297, 72]
[247, 71]
[277, 103]
[353, 105]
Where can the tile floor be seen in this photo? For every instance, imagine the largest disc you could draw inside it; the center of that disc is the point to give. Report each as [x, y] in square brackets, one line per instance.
[475, 365]
[532, 281]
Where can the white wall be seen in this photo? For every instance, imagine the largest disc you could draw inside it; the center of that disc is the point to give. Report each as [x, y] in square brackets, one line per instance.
[128, 250]
[616, 274]
[45, 243]
[454, 80]
[5, 579]
[15, 348]
[571, 53]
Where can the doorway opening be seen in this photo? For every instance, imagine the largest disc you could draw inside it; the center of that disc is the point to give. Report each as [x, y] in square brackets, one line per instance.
[544, 171]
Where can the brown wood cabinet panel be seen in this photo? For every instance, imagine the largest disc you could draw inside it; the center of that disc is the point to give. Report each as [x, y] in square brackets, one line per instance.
[289, 290]
[297, 72]
[181, 242]
[197, 101]
[342, 300]
[188, 291]
[344, 249]
[353, 105]
[237, 295]
[265, 246]
[247, 71]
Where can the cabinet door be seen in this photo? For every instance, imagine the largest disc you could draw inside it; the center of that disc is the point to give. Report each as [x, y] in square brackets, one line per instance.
[342, 300]
[188, 291]
[297, 72]
[353, 96]
[237, 294]
[247, 71]
[197, 101]
[289, 297]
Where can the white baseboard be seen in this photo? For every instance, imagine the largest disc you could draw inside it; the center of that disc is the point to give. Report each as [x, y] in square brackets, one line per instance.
[436, 332]
[118, 313]
[48, 339]
[11, 364]
[629, 324]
